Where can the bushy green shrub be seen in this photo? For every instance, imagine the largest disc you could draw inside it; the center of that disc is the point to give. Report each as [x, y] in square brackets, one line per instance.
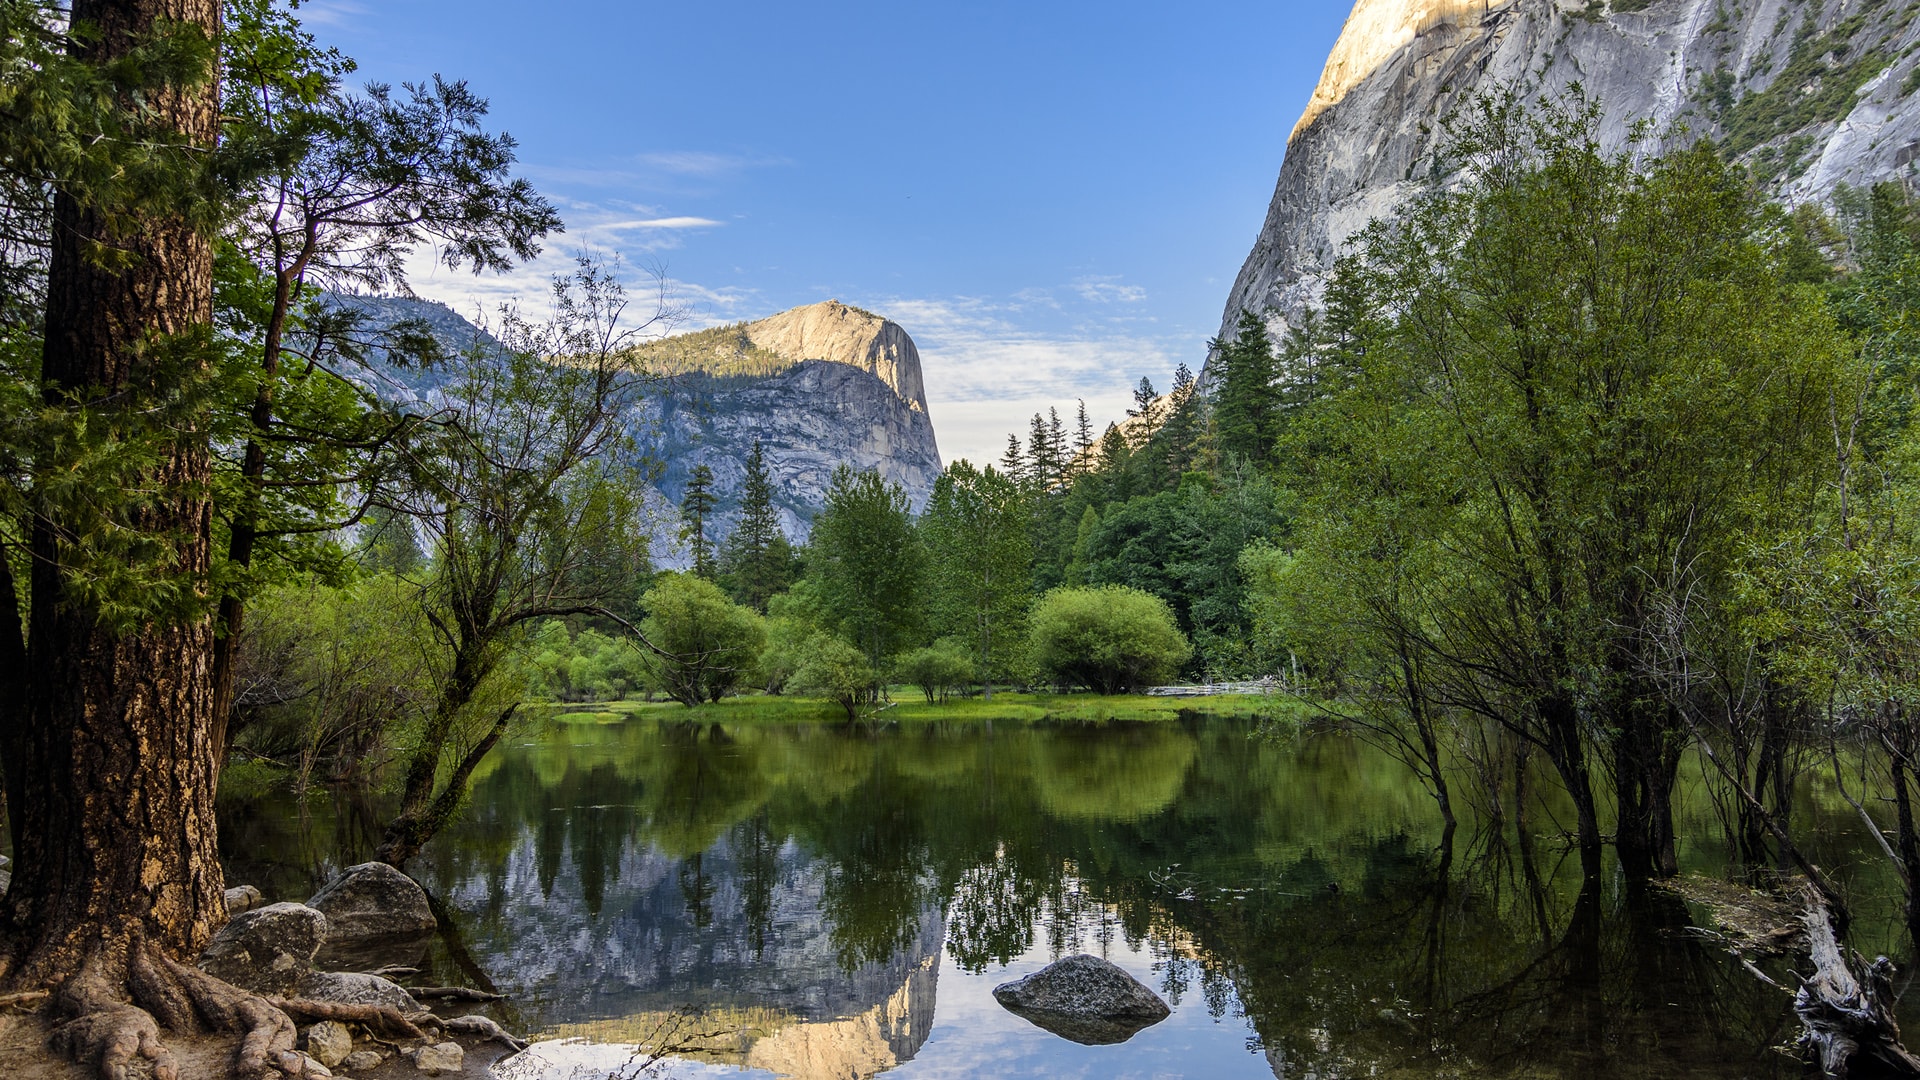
[832, 669]
[1111, 639]
[937, 669]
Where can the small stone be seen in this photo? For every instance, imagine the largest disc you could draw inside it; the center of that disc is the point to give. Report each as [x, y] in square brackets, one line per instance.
[446, 1057]
[330, 1042]
[242, 899]
[315, 1068]
[267, 950]
[352, 988]
[362, 1061]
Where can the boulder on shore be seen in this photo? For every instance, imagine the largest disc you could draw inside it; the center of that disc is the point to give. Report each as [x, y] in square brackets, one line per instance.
[352, 988]
[1083, 999]
[329, 1042]
[374, 900]
[267, 950]
[243, 898]
[446, 1057]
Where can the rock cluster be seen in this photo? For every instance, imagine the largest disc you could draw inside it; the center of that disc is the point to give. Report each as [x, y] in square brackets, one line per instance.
[276, 950]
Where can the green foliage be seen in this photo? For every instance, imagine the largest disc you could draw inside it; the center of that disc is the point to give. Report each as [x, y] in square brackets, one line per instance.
[759, 561]
[938, 669]
[1583, 385]
[331, 676]
[866, 558]
[978, 556]
[701, 645]
[696, 505]
[1246, 407]
[1819, 83]
[586, 666]
[832, 669]
[1111, 639]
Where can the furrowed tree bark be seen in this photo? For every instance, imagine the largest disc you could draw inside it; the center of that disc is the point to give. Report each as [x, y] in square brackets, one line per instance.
[115, 826]
[111, 741]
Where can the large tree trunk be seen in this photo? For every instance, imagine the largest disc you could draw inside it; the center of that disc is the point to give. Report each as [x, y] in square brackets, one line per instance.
[115, 830]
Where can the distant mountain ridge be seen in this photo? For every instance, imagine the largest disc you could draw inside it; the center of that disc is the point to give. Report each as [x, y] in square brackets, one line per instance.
[818, 386]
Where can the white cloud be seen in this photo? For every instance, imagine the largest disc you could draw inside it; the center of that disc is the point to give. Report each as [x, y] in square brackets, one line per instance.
[1108, 290]
[986, 375]
[662, 223]
[331, 13]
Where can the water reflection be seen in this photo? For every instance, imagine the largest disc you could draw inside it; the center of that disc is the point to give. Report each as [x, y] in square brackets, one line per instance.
[814, 903]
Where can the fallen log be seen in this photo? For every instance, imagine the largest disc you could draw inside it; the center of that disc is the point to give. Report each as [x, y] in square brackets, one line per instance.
[1848, 1018]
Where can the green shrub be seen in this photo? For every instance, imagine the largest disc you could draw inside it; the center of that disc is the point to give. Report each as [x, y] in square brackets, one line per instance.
[1111, 638]
[832, 669]
[938, 669]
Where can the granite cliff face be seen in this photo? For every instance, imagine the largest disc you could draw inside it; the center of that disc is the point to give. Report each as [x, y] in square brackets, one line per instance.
[1810, 93]
[818, 386]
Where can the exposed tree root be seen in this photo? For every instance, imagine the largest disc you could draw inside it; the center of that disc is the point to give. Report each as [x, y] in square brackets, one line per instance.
[24, 999]
[385, 1022]
[453, 993]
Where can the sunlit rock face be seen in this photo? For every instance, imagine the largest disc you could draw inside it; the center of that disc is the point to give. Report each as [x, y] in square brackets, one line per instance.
[818, 386]
[1812, 94]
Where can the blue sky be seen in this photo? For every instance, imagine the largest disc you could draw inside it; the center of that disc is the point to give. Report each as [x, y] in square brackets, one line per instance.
[1052, 197]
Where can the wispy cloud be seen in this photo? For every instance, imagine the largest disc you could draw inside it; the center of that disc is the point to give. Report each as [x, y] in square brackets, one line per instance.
[1108, 290]
[987, 372]
[332, 13]
[704, 163]
[662, 223]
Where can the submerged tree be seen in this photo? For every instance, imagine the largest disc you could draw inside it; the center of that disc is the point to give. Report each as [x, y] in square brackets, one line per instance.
[1574, 374]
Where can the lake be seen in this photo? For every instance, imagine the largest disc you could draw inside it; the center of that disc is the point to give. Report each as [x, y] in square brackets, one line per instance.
[814, 902]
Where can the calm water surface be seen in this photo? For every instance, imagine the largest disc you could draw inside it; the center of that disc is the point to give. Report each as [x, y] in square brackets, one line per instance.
[815, 903]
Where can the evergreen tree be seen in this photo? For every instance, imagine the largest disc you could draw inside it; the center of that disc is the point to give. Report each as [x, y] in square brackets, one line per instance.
[1057, 444]
[1044, 465]
[1144, 396]
[1179, 439]
[759, 560]
[1083, 433]
[1246, 402]
[1013, 463]
[695, 507]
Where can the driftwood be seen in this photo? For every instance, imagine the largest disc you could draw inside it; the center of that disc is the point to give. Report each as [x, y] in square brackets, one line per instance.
[1848, 1017]
[453, 993]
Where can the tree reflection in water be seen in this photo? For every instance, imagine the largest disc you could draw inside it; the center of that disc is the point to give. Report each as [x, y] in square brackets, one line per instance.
[809, 879]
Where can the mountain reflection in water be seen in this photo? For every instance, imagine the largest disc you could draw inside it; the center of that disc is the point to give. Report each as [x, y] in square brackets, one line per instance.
[817, 903]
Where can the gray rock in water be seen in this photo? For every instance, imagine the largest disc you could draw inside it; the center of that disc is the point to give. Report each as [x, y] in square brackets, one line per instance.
[242, 899]
[351, 988]
[1083, 999]
[446, 1057]
[374, 900]
[267, 950]
[329, 1042]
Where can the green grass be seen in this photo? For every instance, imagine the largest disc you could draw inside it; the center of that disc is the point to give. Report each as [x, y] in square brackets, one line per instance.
[911, 707]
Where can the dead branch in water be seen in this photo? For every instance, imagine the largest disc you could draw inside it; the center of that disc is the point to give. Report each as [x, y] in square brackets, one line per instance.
[1848, 1017]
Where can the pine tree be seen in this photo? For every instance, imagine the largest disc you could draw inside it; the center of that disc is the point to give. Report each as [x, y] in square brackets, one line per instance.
[758, 558]
[1180, 437]
[1083, 435]
[695, 507]
[1057, 444]
[1144, 396]
[1013, 463]
[1246, 403]
[1045, 468]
